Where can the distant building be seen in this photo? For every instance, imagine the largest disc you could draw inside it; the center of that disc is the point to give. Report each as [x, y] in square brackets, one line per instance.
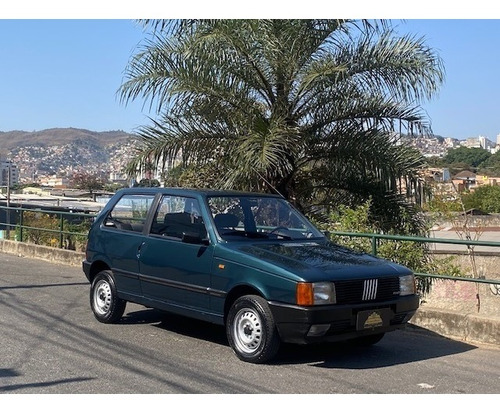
[437, 175]
[451, 143]
[479, 142]
[486, 143]
[54, 181]
[118, 177]
[9, 174]
[464, 180]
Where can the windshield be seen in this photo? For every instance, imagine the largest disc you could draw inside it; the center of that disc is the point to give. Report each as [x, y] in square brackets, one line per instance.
[240, 217]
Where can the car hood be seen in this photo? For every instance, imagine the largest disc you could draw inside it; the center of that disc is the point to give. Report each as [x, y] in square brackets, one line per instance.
[314, 261]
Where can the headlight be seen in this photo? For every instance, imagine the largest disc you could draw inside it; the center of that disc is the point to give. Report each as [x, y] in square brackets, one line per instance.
[316, 293]
[407, 285]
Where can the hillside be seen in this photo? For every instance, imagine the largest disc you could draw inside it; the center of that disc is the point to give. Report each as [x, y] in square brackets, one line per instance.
[59, 136]
[61, 151]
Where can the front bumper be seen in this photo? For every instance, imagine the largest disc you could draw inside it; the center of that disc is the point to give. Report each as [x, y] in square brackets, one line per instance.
[302, 325]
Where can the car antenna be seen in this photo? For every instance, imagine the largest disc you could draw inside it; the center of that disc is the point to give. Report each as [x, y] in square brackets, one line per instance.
[269, 184]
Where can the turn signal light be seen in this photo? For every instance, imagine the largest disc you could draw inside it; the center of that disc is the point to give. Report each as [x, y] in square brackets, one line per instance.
[305, 294]
[319, 293]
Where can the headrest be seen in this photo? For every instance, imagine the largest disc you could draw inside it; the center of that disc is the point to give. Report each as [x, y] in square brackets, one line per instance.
[226, 220]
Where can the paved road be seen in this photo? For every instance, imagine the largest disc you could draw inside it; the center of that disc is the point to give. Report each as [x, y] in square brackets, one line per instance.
[485, 236]
[51, 343]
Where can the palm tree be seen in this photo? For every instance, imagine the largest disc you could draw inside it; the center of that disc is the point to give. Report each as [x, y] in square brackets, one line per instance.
[309, 108]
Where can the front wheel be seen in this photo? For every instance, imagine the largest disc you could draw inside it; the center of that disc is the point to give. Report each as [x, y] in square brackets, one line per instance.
[251, 330]
[104, 301]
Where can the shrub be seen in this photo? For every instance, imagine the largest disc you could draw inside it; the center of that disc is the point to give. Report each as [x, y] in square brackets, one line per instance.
[414, 255]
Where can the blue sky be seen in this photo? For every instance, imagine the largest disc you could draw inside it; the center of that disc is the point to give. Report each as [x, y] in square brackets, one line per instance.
[65, 73]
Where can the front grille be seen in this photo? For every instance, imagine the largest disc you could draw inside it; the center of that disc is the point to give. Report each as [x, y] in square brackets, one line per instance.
[369, 290]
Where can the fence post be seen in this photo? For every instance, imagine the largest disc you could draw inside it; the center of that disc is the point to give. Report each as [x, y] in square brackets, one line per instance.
[21, 223]
[374, 245]
[61, 225]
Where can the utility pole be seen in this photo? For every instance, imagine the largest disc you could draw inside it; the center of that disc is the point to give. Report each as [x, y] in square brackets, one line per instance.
[8, 200]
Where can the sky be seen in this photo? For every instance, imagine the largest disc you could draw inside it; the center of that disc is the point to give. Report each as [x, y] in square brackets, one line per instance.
[63, 69]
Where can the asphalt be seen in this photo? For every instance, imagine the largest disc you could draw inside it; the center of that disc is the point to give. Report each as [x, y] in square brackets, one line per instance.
[455, 322]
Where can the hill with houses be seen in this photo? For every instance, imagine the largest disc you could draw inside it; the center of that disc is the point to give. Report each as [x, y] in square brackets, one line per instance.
[63, 151]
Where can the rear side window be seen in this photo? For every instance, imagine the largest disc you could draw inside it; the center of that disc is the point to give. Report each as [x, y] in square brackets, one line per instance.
[130, 213]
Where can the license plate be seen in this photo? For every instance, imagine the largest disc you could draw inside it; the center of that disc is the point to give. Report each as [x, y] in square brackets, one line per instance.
[371, 319]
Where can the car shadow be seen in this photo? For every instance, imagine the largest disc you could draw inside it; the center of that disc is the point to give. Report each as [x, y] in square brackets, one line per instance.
[178, 324]
[399, 347]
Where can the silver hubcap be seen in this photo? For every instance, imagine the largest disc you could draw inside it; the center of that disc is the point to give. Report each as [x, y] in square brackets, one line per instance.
[247, 330]
[102, 297]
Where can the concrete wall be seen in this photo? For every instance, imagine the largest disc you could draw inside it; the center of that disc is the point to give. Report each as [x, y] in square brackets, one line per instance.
[468, 297]
[54, 255]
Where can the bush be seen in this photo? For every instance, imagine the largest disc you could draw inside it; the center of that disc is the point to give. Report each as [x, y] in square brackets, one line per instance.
[41, 226]
[414, 255]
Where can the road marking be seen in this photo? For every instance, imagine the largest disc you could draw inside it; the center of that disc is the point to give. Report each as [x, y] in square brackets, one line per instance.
[425, 386]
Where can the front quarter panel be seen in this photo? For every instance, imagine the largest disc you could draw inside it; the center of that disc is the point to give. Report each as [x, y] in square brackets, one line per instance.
[232, 270]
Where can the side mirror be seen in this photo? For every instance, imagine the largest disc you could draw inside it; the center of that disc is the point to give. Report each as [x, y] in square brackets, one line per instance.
[109, 223]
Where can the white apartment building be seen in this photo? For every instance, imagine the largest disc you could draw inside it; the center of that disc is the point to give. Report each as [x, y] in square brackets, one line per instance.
[479, 142]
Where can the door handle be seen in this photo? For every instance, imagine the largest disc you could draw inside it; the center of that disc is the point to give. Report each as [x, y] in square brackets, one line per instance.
[138, 255]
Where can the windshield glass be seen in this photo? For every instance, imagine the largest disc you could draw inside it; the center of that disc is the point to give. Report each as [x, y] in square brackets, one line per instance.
[240, 217]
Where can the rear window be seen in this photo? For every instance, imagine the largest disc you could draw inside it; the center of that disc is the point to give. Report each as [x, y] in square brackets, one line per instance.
[130, 212]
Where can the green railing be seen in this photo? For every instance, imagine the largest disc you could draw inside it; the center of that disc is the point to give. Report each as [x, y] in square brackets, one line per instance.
[65, 219]
[19, 228]
[375, 239]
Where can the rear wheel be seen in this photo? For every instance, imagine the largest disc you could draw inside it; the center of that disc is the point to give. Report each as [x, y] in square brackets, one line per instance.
[251, 330]
[104, 301]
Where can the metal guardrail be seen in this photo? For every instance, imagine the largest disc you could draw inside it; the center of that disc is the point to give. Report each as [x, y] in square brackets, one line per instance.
[18, 225]
[15, 221]
[375, 238]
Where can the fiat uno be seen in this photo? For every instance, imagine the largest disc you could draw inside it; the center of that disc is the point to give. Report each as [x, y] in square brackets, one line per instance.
[248, 261]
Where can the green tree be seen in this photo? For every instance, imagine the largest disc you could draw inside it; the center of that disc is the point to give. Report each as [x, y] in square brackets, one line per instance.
[491, 166]
[486, 198]
[88, 182]
[147, 183]
[309, 108]
[414, 255]
[472, 157]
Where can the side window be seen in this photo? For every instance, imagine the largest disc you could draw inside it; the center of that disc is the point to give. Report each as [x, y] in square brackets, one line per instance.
[178, 216]
[130, 213]
[228, 214]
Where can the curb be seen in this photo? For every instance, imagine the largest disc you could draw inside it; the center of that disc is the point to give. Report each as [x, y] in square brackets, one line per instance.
[468, 328]
[54, 255]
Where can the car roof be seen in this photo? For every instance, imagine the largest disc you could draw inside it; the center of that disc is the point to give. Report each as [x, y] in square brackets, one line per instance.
[192, 191]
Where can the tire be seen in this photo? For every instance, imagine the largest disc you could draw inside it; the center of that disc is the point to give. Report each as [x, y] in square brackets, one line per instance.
[104, 301]
[251, 330]
[366, 341]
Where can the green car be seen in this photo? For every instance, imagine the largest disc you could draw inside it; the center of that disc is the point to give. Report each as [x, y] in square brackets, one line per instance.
[248, 261]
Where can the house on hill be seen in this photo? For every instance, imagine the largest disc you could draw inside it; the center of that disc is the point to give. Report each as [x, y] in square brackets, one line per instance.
[464, 180]
[467, 180]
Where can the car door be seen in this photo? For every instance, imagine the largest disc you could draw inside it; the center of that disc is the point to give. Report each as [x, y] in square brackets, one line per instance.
[176, 258]
[122, 237]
